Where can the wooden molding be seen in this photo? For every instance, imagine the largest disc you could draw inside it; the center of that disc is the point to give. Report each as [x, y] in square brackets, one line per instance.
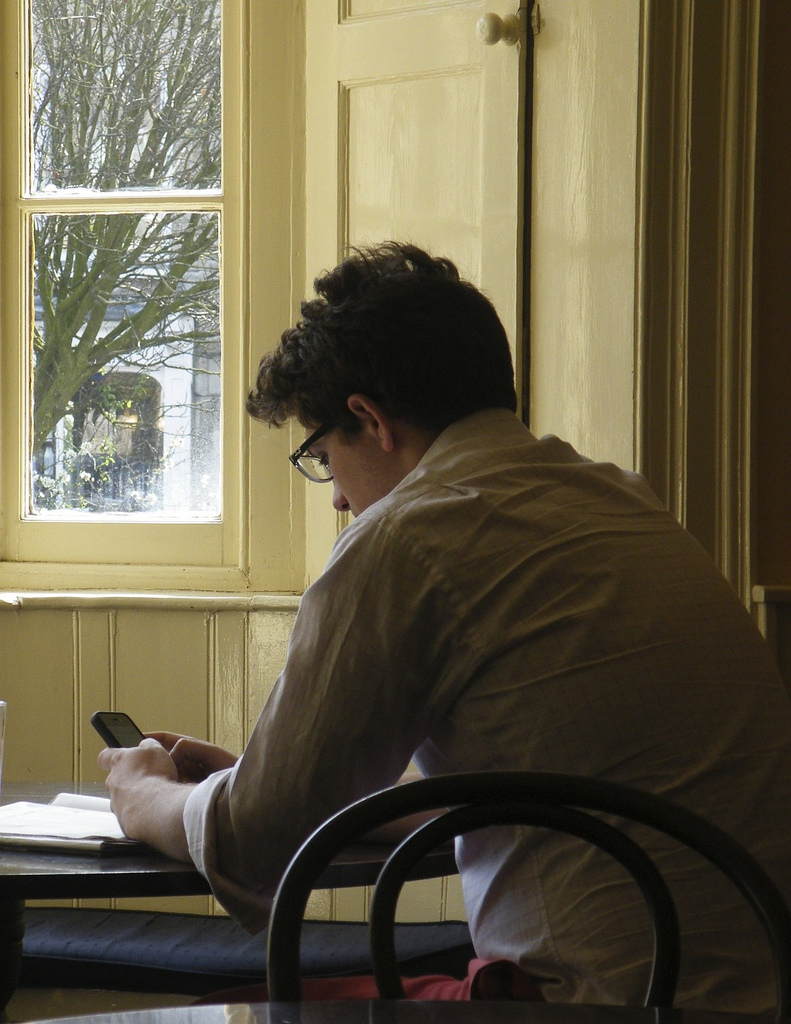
[662, 249]
[693, 410]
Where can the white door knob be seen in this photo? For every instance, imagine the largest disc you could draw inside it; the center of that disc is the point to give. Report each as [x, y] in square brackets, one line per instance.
[494, 29]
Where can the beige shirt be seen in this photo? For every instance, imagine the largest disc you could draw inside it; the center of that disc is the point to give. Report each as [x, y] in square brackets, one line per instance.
[512, 605]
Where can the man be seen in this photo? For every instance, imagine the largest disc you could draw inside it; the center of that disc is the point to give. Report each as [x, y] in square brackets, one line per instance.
[499, 602]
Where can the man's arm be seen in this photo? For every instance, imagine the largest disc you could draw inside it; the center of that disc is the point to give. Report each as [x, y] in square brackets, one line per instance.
[147, 797]
[394, 831]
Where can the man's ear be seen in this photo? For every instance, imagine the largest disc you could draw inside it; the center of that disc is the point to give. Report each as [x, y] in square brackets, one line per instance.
[374, 419]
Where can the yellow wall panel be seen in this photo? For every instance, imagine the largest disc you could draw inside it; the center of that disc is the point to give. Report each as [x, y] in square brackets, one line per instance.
[94, 690]
[351, 904]
[37, 682]
[161, 669]
[167, 904]
[229, 690]
[268, 639]
[420, 900]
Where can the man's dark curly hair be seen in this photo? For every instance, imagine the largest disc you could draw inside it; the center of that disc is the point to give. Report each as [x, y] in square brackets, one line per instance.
[399, 326]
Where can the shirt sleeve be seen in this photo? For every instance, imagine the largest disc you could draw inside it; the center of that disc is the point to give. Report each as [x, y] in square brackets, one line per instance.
[372, 662]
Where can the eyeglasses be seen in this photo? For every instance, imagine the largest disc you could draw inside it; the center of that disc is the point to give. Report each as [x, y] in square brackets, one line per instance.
[314, 467]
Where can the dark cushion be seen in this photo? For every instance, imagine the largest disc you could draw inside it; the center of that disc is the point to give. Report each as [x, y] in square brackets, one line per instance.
[138, 951]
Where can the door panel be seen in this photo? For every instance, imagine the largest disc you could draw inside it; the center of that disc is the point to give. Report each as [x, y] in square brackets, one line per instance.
[366, 8]
[434, 199]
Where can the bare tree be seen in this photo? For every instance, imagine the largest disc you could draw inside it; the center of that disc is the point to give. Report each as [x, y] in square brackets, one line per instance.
[126, 96]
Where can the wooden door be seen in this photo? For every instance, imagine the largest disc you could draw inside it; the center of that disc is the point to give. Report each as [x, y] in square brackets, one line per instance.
[414, 133]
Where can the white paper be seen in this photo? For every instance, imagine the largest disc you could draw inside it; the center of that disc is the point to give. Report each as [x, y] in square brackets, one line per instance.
[31, 819]
[87, 803]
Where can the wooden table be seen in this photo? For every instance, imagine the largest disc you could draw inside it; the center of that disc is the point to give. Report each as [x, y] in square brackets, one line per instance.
[406, 1012]
[28, 875]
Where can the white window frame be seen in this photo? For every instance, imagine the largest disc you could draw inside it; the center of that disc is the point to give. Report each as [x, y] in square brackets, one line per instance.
[258, 543]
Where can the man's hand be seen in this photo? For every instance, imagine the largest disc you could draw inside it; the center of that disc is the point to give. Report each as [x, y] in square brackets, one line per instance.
[146, 795]
[195, 760]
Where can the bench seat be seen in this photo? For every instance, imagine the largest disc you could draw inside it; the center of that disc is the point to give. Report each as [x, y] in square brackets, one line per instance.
[140, 951]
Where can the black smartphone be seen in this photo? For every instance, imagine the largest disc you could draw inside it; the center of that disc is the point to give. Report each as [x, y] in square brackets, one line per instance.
[116, 728]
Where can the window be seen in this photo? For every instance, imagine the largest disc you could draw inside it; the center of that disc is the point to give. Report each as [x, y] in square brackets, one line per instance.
[127, 179]
[124, 96]
[124, 297]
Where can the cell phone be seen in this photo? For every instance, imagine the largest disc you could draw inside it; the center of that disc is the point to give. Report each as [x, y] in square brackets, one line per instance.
[116, 728]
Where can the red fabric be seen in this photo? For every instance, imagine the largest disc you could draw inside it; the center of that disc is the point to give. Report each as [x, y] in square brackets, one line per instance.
[486, 979]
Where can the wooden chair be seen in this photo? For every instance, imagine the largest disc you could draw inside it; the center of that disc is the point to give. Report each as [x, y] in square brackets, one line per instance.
[477, 800]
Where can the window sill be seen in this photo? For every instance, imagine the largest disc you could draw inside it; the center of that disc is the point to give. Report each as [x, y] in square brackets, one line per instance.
[190, 601]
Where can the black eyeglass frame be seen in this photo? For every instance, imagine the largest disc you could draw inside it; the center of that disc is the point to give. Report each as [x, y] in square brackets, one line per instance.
[304, 452]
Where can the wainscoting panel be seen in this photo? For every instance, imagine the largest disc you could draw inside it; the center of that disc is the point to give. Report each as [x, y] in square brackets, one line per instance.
[229, 660]
[163, 671]
[93, 685]
[37, 682]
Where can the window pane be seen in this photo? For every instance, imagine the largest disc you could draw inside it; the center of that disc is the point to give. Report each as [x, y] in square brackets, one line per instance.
[126, 364]
[125, 94]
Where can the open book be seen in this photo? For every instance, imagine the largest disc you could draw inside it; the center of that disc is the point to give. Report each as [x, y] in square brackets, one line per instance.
[70, 823]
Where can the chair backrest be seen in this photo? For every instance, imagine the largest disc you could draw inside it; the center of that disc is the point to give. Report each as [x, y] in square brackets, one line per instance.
[480, 799]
